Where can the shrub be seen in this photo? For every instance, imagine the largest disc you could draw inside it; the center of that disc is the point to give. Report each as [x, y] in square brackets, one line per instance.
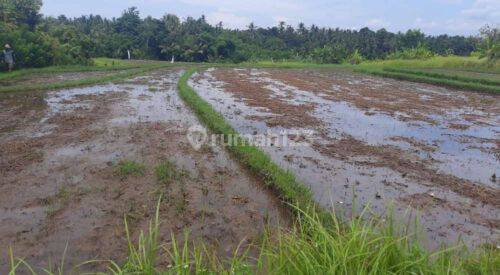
[355, 58]
[127, 168]
[166, 172]
[420, 52]
[329, 54]
[490, 44]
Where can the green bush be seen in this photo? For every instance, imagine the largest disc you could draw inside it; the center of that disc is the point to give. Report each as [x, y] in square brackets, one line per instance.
[490, 44]
[34, 43]
[355, 58]
[329, 54]
[420, 52]
[493, 54]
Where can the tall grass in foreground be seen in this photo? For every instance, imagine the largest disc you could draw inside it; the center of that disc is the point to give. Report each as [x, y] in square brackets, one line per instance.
[309, 247]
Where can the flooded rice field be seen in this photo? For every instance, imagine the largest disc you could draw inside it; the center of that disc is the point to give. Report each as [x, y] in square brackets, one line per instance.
[421, 150]
[59, 187]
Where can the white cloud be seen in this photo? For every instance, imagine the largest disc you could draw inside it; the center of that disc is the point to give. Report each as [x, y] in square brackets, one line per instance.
[255, 6]
[229, 20]
[279, 18]
[468, 21]
[462, 16]
[484, 10]
[425, 24]
[377, 23]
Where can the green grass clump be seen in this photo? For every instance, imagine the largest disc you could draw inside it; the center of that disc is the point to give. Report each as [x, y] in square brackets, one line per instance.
[127, 168]
[359, 247]
[166, 172]
[362, 246]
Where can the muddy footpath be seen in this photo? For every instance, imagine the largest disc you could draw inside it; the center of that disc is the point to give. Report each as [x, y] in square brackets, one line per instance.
[418, 150]
[60, 190]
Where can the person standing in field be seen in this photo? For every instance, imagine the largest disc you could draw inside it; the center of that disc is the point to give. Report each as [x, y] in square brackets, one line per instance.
[8, 54]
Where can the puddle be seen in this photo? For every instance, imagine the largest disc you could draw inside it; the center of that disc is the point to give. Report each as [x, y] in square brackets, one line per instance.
[382, 131]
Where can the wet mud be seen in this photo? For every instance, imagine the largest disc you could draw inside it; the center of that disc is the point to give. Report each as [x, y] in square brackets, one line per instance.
[59, 185]
[47, 78]
[418, 149]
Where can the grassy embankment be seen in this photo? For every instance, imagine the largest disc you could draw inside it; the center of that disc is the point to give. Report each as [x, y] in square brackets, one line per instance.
[467, 73]
[121, 69]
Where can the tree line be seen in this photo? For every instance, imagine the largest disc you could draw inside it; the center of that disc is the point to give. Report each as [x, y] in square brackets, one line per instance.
[41, 41]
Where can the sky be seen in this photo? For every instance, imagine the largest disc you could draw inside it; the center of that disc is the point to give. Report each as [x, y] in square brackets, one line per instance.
[463, 17]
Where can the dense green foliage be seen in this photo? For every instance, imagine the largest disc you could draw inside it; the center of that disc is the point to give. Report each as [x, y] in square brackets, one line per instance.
[21, 26]
[41, 41]
[490, 44]
[419, 52]
[196, 40]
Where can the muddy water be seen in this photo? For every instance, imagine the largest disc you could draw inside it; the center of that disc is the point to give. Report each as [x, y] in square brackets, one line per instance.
[423, 150]
[59, 187]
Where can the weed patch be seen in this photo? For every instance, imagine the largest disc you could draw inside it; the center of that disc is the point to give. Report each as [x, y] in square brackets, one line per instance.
[166, 172]
[127, 168]
[362, 246]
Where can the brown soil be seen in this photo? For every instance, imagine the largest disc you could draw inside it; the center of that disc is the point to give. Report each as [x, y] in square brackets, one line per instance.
[394, 98]
[61, 188]
[255, 94]
[426, 202]
[408, 165]
[47, 78]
